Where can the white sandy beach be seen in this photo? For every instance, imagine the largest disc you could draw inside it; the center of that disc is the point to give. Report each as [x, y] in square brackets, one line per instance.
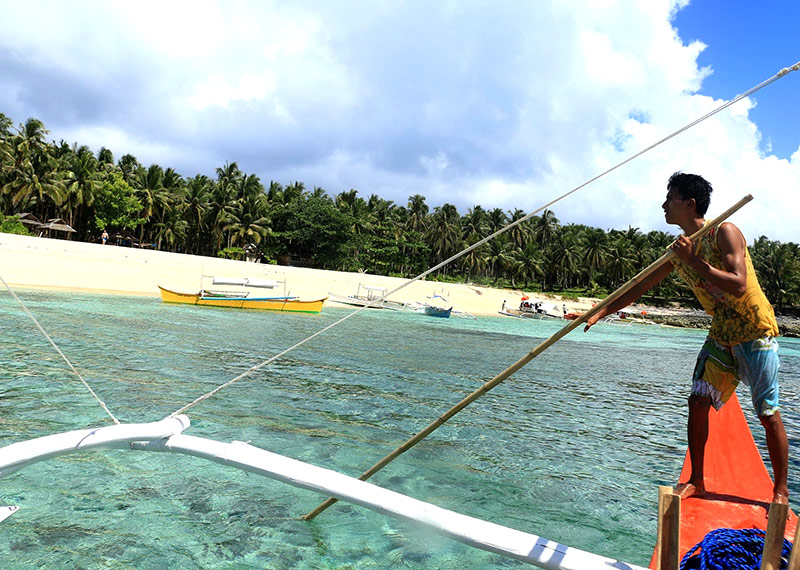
[32, 262]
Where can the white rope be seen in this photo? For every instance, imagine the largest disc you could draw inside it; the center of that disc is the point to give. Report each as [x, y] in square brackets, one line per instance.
[488, 238]
[50, 340]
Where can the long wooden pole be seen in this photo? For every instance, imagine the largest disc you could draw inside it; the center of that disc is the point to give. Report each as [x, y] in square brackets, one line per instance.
[531, 355]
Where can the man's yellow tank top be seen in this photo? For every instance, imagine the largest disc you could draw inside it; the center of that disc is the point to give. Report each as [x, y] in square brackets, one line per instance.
[734, 320]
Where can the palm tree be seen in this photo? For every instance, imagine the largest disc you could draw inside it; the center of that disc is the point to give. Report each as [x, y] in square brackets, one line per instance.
[778, 267]
[566, 255]
[319, 193]
[219, 212]
[621, 261]
[519, 233]
[417, 214]
[33, 175]
[129, 167]
[196, 203]
[544, 229]
[171, 229]
[529, 263]
[381, 211]
[496, 220]
[249, 222]
[595, 248]
[152, 193]
[81, 178]
[228, 174]
[356, 207]
[5, 126]
[105, 159]
[474, 224]
[360, 220]
[294, 191]
[640, 245]
[499, 258]
[474, 262]
[444, 233]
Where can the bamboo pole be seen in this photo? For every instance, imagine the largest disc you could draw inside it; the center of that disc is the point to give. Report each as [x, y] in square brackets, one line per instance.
[794, 559]
[649, 270]
[669, 529]
[773, 540]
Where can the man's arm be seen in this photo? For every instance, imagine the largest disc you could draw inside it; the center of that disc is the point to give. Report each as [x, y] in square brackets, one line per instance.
[733, 279]
[631, 295]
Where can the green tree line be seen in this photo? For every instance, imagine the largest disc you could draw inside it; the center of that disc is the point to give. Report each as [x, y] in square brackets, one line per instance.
[233, 211]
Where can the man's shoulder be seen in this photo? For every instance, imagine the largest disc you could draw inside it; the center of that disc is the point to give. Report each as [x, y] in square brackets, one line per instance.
[729, 236]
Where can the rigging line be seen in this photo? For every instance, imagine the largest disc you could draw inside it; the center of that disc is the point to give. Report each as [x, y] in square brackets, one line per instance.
[64, 356]
[781, 73]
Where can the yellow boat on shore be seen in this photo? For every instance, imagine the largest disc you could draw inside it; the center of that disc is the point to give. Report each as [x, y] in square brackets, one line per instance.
[238, 301]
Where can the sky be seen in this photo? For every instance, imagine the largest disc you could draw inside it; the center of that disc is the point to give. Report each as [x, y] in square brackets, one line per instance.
[470, 102]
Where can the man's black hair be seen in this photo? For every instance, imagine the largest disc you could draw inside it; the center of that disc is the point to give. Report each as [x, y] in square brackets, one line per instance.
[692, 186]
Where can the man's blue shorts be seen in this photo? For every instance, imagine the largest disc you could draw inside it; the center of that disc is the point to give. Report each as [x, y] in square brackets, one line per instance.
[720, 368]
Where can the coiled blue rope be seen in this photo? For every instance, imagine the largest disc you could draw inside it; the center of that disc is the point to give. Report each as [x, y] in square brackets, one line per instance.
[731, 549]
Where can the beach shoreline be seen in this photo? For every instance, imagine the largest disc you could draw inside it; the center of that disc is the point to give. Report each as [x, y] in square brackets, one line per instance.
[63, 265]
[69, 266]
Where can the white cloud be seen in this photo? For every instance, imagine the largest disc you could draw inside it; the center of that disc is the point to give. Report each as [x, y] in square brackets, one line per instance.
[505, 105]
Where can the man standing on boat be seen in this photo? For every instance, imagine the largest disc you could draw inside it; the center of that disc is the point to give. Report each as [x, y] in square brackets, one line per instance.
[741, 343]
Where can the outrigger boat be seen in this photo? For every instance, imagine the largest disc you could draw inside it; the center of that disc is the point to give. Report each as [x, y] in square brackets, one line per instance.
[372, 298]
[241, 299]
[533, 309]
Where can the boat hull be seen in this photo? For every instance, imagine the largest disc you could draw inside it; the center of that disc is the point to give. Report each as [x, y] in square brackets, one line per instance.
[261, 304]
[438, 312]
[738, 485]
[528, 314]
[369, 303]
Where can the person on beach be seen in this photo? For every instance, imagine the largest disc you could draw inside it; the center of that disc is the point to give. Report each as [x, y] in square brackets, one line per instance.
[741, 343]
[104, 237]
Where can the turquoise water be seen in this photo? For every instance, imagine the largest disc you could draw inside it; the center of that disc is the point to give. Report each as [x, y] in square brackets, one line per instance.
[572, 448]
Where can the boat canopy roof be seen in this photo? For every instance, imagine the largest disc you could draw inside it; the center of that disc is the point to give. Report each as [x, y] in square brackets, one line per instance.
[245, 282]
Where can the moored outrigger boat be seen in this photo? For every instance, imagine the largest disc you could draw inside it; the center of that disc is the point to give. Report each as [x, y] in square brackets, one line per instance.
[372, 298]
[440, 307]
[241, 298]
[533, 309]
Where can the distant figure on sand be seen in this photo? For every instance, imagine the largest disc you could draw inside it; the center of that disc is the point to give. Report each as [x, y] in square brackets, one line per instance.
[741, 343]
[104, 237]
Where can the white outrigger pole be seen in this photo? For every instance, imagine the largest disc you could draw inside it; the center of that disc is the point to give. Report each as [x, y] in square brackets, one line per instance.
[166, 436]
[6, 512]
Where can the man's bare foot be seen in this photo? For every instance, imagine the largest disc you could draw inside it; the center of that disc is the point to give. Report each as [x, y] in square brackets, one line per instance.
[686, 490]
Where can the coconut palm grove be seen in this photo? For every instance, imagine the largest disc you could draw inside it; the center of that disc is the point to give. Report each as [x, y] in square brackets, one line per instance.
[234, 213]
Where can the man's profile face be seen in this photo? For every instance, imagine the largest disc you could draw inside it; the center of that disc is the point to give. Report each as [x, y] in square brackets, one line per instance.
[674, 206]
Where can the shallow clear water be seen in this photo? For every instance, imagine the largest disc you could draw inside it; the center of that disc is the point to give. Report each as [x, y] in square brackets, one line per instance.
[571, 448]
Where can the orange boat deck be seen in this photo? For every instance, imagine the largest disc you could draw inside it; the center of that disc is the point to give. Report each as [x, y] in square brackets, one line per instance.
[738, 485]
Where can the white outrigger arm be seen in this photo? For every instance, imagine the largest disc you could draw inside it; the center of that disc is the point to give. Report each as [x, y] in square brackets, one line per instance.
[166, 436]
[6, 512]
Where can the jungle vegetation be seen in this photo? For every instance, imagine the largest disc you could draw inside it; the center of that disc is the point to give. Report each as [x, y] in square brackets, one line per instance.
[232, 211]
